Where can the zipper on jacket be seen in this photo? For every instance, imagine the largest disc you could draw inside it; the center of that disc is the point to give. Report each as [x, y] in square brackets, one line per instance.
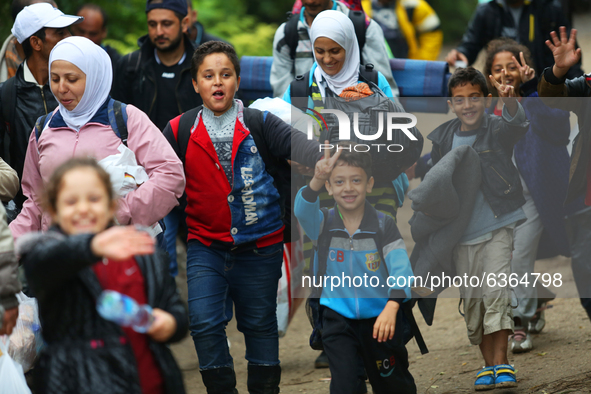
[43, 98]
[351, 249]
[500, 176]
[155, 94]
[76, 143]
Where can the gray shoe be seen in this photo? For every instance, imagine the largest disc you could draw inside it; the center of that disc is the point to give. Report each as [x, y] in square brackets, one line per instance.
[537, 323]
[520, 342]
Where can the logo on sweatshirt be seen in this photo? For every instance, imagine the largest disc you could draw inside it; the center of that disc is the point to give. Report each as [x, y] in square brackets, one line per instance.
[372, 260]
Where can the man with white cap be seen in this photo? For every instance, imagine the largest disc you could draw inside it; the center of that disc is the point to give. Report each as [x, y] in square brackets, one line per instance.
[27, 96]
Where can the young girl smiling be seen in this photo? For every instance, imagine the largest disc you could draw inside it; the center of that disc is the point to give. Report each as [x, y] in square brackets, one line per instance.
[67, 269]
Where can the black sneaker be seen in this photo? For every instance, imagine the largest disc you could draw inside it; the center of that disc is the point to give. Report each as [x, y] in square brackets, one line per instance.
[321, 361]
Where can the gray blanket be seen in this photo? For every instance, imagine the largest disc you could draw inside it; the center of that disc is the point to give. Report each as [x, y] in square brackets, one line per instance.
[443, 204]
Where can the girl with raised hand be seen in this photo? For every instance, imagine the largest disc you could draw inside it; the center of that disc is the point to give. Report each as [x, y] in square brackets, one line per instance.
[67, 268]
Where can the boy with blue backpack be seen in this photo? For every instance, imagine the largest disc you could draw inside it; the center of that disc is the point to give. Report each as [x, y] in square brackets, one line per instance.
[356, 241]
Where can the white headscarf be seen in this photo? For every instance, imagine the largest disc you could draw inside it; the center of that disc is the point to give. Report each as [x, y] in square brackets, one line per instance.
[339, 28]
[93, 61]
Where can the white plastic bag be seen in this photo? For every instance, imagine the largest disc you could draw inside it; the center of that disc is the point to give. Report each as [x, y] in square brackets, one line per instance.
[290, 292]
[26, 341]
[12, 377]
[286, 112]
[126, 176]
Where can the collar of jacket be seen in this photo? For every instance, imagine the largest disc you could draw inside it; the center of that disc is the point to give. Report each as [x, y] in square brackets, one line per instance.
[20, 78]
[101, 117]
[369, 223]
[440, 134]
[147, 49]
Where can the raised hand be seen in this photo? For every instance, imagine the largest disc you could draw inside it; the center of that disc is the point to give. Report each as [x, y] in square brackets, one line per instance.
[503, 89]
[324, 168]
[506, 93]
[120, 243]
[453, 56]
[527, 73]
[565, 52]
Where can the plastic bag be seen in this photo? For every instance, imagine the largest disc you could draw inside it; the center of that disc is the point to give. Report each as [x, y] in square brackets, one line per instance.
[26, 341]
[286, 112]
[126, 176]
[12, 377]
[290, 292]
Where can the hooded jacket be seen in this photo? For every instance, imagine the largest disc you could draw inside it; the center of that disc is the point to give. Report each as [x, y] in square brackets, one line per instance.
[83, 350]
[356, 256]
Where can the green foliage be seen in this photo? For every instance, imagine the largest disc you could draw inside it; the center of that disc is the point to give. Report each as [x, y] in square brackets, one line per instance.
[454, 16]
[248, 25]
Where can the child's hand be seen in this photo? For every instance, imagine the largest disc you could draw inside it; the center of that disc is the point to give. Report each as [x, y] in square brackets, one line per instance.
[323, 169]
[506, 93]
[503, 89]
[120, 243]
[565, 52]
[526, 72]
[385, 324]
[163, 327]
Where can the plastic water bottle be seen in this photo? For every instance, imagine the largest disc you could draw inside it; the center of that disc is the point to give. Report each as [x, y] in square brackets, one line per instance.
[124, 310]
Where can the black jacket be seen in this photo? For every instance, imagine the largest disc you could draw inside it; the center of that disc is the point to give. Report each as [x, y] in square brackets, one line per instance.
[29, 102]
[135, 80]
[58, 269]
[551, 86]
[494, 143]
[491, 20]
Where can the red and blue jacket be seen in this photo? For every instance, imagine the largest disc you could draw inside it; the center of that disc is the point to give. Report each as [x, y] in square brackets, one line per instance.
[249, 209]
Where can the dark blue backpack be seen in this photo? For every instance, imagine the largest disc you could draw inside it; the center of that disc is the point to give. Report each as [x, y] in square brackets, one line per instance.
[117, 118]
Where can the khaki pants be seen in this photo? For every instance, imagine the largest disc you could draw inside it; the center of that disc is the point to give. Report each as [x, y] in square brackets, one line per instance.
[487, 308]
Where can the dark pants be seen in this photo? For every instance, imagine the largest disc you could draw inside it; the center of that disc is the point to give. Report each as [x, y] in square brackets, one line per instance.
[386, 363]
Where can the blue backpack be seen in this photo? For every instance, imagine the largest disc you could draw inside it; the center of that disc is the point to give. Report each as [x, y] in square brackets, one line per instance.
[117, 119]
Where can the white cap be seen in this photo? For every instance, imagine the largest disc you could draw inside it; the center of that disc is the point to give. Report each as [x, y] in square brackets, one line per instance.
[37, 16]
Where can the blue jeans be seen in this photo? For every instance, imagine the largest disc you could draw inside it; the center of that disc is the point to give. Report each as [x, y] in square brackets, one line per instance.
[248, 278]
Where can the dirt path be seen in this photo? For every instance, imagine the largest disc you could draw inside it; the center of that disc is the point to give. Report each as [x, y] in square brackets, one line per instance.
[559, 363]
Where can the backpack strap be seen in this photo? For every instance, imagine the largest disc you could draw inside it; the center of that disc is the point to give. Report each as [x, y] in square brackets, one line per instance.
[183, 130]
[358, 19]
[406, 307]
[117, 112]
[369, 74]
[299, 90]
[133, 61]
[40, 124]
[291, 35]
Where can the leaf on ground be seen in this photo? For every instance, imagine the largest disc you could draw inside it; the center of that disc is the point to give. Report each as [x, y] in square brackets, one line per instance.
[434, 387]
[464, 364]
[542, 353]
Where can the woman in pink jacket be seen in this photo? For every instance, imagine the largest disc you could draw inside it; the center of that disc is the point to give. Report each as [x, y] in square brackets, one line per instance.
[80, 75]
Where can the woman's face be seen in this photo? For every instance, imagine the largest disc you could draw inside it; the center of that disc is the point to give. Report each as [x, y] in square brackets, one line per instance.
[67, 83]
[329, 55]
